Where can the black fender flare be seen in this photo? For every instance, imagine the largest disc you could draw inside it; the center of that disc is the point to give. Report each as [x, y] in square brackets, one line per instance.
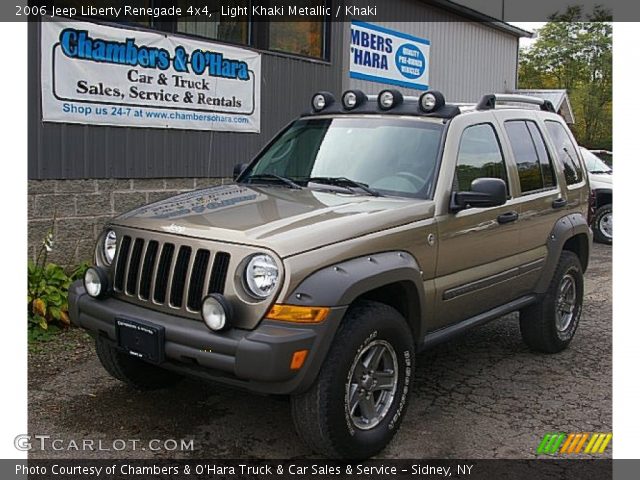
[340, 284]
[565, 228]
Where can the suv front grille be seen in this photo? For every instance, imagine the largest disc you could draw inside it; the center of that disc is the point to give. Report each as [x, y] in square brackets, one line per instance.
[165, 273]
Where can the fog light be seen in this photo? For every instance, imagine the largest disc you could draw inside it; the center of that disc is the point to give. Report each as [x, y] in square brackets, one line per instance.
[216, 311]
[96, 282]
[389, 99]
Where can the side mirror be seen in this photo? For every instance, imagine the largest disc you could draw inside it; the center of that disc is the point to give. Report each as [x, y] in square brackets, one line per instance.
[238, 168]
[485, 192]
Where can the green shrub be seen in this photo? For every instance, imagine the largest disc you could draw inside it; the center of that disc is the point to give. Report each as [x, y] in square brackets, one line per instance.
[48, 286]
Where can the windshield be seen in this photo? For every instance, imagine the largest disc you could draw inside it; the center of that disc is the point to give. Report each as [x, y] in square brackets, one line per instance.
[390, 156]
[594, 163]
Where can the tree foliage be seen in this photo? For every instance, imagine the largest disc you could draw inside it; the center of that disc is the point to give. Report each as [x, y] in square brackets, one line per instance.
[575, 53]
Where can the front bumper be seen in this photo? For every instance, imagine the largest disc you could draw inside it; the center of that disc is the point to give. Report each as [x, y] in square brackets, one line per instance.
[256, 360]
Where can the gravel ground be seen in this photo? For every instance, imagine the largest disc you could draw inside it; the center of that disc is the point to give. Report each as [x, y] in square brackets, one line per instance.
[483, 395]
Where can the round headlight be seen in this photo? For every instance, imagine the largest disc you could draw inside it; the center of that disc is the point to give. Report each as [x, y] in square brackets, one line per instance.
[109, 247]
[216, 311]
[261, 275]
[95, 282]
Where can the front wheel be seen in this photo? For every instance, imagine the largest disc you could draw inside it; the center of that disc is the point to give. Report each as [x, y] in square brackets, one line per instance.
[356, 404]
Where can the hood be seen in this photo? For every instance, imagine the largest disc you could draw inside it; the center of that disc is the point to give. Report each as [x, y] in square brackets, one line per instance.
[600, 180]
[287, 221]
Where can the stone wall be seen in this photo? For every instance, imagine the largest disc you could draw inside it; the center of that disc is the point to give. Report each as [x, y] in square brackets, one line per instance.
[78, 209]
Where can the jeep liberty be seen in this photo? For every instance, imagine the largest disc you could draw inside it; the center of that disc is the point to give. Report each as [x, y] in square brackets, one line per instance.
[369, 229]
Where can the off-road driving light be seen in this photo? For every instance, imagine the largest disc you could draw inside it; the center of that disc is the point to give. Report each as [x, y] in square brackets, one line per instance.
[261, 275]
[109, 247]
[297, 313]
[387, 99]
[96, 282]
[216, 311]
[431, 101]
[353, 98]
[322, 100]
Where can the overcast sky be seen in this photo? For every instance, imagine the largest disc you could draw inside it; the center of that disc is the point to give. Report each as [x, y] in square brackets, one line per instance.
[530, 27]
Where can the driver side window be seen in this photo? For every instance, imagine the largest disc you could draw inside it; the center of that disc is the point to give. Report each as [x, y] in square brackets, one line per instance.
[479, 155]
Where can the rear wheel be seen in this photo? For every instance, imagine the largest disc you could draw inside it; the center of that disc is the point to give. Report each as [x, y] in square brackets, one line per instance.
[132, 371]
[358, 400]
[549, 325]
[603, 224]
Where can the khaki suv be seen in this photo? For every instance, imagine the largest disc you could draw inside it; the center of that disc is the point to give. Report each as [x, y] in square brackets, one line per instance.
[368, 230]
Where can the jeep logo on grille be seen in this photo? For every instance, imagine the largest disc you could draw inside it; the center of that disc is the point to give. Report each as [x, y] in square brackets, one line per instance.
[173, 228]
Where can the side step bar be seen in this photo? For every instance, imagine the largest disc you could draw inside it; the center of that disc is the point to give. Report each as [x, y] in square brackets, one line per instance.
[446, 333]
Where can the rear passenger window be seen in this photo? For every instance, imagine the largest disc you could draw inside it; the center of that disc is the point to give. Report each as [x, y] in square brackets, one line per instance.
[548, 172]
[566, 152]
[531, 156]
[479, 156]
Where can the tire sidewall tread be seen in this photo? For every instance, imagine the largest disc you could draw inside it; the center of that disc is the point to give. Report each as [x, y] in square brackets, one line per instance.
[320, 414]
[537, 322]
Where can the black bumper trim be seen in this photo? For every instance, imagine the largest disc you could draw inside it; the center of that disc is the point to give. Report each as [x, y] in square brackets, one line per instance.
[253, 359]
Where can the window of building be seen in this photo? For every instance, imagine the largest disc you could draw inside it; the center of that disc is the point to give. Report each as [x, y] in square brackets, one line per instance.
[305, 38]
[479, 155]
[531, 155]
[299, 38]
[566, 152]
[232, 30]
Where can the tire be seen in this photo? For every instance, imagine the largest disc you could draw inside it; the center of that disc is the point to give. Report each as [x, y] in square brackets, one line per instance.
[549, 326]
[603, 225]
[322, 415]
[136, 373]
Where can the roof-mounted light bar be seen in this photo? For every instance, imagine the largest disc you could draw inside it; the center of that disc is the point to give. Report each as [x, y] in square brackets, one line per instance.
[488, 102]
[431, 103]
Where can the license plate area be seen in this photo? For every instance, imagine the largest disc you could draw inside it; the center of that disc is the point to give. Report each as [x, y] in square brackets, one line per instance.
[141, 339]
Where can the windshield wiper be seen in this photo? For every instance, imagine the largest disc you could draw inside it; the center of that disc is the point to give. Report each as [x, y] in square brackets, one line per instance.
[272, 176]
[344, 182]
[600, 172]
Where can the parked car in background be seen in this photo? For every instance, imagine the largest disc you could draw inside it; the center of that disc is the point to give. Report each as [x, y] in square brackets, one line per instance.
[605, 155]
[601, 204]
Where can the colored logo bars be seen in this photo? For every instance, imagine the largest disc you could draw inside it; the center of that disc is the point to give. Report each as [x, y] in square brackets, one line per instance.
[574, 443]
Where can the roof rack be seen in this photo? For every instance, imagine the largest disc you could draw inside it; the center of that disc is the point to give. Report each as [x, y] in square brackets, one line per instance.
[488, 102]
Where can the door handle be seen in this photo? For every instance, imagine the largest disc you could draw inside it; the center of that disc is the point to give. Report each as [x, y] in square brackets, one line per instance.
[559, 203]
[507, 217]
